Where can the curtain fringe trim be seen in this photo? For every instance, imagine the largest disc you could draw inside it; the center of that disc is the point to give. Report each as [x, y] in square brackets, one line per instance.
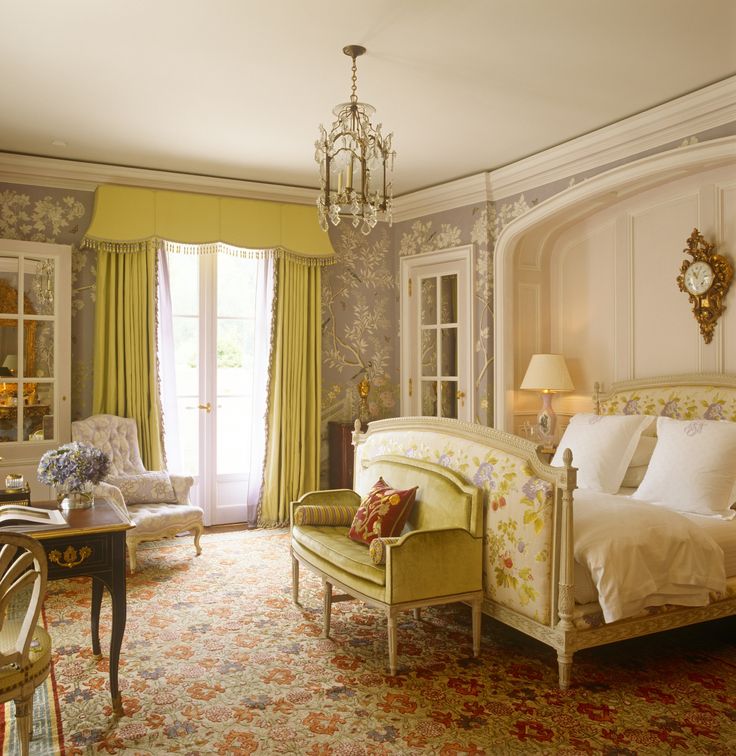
[272, 524]
[271, 342]
[209, 248]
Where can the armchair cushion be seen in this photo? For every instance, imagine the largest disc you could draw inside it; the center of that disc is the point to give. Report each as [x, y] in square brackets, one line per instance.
[145, 487]
[318, 514]
[383, 512]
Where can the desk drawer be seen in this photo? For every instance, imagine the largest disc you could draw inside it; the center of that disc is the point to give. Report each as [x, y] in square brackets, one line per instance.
[77, 555]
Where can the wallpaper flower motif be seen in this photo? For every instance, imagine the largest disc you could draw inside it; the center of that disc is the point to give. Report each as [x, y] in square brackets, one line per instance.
[40, 220]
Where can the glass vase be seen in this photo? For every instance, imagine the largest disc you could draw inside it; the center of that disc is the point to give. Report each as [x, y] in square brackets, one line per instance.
[82, 498]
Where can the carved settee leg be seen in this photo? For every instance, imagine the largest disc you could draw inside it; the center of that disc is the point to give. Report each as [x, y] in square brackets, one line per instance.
[295, 580]
[418, 613]
[392, 641]
[476, 627]
[327, 608]
[564, 663]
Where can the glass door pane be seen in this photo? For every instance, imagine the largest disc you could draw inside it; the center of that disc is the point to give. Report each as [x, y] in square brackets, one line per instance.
[184, 282]
[439, 345]
[235, 340]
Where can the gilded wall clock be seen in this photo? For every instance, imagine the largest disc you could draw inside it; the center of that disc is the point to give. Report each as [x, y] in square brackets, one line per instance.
[706, 280]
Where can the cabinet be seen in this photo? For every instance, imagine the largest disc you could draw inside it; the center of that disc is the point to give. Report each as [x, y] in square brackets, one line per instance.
[35, 348]
[340, 441]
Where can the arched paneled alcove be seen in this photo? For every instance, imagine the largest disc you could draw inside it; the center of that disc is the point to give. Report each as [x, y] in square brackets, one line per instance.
[591, 273]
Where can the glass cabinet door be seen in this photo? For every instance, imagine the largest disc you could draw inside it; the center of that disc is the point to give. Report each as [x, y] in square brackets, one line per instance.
[35, 346]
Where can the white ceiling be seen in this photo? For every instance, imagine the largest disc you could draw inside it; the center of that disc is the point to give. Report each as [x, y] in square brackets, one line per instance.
[237, 88]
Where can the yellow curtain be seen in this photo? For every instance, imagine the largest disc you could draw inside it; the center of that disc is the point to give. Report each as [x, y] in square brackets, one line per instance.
[125, 345]
[292, 451]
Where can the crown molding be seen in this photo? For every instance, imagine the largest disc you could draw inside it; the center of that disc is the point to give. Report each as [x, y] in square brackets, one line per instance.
[69, 174]
[470, 190]
[707, 108]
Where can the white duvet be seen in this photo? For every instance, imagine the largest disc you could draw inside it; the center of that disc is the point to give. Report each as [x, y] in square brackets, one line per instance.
[640, 555]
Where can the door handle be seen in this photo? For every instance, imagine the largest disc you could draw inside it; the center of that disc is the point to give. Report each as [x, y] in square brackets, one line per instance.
[206, 407]
[461, 396]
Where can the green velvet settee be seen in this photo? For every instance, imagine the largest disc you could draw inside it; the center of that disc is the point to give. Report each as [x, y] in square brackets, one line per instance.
[437, 559]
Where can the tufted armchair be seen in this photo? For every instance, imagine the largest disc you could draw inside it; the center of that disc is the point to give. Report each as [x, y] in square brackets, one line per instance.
[156, 502]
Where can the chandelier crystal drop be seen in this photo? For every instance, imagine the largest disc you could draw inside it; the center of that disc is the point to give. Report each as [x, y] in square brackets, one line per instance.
[356, 161]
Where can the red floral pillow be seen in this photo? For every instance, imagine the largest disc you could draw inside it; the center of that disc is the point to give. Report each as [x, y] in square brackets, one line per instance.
[382, 513]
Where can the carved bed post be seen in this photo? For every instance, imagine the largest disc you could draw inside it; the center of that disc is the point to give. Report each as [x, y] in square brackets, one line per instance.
[566, 595]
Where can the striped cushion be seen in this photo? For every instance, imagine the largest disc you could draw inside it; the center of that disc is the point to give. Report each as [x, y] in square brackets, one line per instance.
[321, 514]
[377, 549]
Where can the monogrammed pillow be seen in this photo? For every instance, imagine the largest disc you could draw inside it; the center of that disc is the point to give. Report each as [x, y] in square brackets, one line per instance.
[693, 467]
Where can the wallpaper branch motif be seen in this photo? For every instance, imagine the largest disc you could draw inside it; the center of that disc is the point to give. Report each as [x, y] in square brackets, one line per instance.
[358, 298]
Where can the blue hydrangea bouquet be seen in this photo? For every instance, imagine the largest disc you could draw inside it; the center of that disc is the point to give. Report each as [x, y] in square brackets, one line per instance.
[73, 470]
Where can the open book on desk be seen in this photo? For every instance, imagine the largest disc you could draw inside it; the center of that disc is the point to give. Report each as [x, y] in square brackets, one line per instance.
[30, 519]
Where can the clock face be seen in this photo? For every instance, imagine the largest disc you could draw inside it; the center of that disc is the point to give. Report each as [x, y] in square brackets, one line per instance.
[698, 278]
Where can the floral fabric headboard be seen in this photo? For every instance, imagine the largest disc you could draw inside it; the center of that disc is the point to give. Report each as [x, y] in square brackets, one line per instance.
[687, 397]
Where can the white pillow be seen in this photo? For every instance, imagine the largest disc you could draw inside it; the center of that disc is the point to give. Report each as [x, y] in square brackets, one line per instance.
[693, 468]
[602, 447]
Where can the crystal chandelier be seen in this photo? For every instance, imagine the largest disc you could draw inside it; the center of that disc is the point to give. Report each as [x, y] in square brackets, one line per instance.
[356, 162]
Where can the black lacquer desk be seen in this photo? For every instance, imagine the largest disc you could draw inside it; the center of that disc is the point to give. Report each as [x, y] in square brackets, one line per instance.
[94, 546]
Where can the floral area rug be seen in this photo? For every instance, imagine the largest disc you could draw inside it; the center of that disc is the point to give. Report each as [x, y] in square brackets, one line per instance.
[217, 660]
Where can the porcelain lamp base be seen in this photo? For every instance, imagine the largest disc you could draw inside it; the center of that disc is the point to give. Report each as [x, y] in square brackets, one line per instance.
[546, 420]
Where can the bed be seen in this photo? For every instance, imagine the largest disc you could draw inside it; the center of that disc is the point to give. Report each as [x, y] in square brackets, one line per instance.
[535, 577]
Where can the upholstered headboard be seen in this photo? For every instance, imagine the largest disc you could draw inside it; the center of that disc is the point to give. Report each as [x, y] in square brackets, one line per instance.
[684, 397]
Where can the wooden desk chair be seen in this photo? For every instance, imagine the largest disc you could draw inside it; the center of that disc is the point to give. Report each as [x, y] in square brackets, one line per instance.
[25, 647]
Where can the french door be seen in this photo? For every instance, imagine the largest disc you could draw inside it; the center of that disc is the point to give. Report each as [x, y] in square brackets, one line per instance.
[436, 334]
[213, 300]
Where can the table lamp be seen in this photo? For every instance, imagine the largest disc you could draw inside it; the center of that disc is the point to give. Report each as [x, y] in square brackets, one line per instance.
[11, 363]
[548, 374]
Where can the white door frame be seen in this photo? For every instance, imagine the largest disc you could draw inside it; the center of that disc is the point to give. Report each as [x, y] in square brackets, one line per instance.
[462, 259]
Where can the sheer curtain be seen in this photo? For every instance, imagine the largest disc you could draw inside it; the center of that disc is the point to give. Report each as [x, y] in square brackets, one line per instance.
[252, 435]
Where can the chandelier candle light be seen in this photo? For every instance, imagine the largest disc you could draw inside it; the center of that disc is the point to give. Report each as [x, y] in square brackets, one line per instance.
[355, 161]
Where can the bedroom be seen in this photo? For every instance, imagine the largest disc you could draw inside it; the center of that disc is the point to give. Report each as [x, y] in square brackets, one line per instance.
[470, 211]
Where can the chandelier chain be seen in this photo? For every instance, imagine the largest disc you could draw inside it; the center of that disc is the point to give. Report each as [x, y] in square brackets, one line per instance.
[354, 95]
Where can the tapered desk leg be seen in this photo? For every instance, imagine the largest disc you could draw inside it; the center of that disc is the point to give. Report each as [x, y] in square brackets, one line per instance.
[97, 586]
[119, 611]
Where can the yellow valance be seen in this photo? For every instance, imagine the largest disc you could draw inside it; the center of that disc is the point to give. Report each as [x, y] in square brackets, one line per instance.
[127, 218]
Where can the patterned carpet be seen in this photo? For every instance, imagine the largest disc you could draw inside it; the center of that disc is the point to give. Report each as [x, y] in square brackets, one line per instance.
[217, 660]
